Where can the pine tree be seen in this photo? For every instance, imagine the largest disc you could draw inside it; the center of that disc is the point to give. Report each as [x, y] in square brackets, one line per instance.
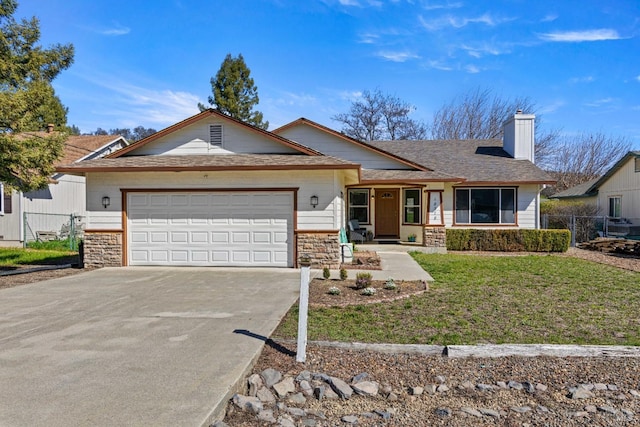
[28, 101]
[234, 92]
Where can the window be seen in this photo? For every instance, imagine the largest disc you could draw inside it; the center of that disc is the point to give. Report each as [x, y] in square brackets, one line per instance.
[637, 164]
[412, 206]
[486, 206]
[5, 200]
[615, 207]
[215, 135]
[359, 205]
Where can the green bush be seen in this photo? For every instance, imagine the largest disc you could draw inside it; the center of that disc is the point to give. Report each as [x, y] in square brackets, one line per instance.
[471, 239]
[363, 280]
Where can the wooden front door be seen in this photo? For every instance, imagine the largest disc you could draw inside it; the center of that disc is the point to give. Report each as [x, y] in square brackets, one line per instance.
[387, 208]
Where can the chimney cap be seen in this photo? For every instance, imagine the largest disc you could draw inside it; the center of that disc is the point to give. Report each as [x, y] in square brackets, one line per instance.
[50, 127]
[519, 111]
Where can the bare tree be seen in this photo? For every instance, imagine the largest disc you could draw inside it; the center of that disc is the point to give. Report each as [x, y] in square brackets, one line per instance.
[379, 116]
[583, 157]
[480, 114]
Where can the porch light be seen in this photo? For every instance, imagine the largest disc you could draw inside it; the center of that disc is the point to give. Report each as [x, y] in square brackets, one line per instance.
[106, 201]
[314, 201]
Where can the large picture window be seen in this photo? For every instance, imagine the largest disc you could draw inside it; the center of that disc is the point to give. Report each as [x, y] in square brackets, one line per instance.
[5, 200]
[411, 199]
[485, 206]
[615, 207]
[359, 204]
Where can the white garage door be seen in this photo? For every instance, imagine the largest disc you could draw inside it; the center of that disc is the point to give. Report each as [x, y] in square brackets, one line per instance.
[210, 228]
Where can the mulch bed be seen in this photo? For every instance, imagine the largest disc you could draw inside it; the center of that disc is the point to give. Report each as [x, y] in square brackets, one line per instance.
[319, 292]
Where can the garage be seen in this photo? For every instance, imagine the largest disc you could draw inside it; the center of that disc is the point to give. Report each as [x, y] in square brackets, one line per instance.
[210, 228]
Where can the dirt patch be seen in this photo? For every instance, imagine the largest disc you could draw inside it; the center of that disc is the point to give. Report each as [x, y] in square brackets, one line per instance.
[364, 260]
[320, 296]
[35, 276]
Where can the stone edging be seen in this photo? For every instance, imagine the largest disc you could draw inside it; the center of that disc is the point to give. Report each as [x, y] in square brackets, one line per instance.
[368, 300]
[35, 269]
[491, 350]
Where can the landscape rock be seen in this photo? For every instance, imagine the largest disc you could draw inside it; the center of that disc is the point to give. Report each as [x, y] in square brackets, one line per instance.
[366, 388]
[296, 412]
[484, 387]
[580, 392]
[270, 377]
[489, 412]
[297, 399]
[248, 403]
[515, 385]
[471, 411]
[443, 412]
[607, 409]
[360, 377]
[306, 388]
[350, 419]
[430, 388]
[254, 382]
[265, 395]
[343, 389]
[266, 415]
[442, 388]
[416, 391]
[284, 387]
[520, 409]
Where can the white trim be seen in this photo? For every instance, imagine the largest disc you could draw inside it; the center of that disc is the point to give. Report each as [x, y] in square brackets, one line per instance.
[1, 199]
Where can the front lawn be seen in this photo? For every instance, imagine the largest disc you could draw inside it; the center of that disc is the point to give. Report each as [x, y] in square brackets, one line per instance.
[494, 299]
[20, 256]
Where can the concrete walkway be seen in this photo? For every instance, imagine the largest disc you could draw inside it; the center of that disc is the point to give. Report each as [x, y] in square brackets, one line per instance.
[135, 346]
[395, 263]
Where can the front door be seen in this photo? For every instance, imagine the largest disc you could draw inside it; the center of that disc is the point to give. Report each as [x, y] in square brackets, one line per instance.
[387, 208]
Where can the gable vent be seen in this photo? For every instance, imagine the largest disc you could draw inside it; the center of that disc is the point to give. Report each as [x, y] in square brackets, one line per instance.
[215, 135]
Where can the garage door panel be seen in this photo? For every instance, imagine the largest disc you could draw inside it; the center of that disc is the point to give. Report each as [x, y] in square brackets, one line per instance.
[241, 229]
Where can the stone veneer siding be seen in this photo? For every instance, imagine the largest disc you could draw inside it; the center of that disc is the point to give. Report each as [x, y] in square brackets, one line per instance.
[323, 249]
[435, 237]
[103, 249]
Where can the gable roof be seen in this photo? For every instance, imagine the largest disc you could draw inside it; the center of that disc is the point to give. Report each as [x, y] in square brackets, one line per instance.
[476, 161]
[584, 190]
[206, 162]
[214, 113]
[340, 135]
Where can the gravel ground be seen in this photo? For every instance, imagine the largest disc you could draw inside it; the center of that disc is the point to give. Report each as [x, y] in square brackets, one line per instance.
[402, 371]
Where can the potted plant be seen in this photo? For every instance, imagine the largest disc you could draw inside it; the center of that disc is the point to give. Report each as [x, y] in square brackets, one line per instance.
[412, 237]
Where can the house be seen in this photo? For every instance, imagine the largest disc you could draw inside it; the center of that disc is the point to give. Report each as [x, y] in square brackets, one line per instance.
[24, 215]
[214, 191]
[616, 195]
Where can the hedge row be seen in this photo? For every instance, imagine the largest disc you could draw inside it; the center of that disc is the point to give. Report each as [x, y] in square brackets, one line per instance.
[508, 240]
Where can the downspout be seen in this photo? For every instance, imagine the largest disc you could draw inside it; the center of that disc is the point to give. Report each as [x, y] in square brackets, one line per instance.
[543, 186]
[21, 219]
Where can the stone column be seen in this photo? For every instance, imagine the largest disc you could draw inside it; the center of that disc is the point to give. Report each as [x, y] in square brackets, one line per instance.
[322, 247]
[435, 237]
[102, 249]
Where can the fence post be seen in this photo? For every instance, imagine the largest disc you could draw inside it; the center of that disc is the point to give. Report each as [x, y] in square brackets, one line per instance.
[573, 231]
[303, 307]
[72, 232]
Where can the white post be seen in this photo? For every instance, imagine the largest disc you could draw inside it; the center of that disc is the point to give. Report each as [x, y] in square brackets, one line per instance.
[303, 307]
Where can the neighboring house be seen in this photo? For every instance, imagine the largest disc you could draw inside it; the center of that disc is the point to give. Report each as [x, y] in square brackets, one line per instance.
[65, 195]
[616, 194]
[212, 190]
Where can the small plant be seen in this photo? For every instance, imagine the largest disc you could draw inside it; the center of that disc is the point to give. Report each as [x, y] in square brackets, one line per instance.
[334, 291]
[369, 291]
[343, 274]
[326, 273]
[363, 280]
[390, 284]
[412, 237]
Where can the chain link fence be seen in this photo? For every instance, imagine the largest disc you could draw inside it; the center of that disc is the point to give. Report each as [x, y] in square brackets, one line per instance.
[53, 231]
[585, 228]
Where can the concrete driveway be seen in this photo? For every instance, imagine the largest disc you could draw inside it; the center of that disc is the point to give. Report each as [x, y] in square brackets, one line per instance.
[134, 346]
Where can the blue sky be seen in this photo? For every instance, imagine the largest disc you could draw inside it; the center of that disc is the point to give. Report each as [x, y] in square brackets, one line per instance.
[149, 63]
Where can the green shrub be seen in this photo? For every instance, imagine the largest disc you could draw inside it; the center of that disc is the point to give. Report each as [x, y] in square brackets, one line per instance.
[471, 239]
[363, 280]
[343, 274]
[326, 273]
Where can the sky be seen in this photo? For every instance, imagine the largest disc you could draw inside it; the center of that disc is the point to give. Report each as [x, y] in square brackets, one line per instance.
[142, 63]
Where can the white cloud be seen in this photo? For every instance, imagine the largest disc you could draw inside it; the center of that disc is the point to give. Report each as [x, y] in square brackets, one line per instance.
[585, 79]
[368, 38]
[483, 49]
[295, 99]
[553, 107]
[397, 56]
[549, 18]
[459, 22]
[581, 36]
[438, 65]
[115, 30]
[456, 5]
[638, 78]
[600, 102]
[472, 69]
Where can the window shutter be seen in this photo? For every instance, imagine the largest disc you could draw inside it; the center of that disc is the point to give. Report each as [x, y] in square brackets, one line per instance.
[215, 135]
[5, 203]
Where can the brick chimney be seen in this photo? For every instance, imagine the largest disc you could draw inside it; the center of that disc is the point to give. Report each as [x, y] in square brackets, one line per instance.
[50, 127]
[519, 136]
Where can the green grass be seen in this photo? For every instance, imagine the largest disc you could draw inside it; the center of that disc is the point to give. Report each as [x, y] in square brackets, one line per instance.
[494, 299]
[19, 256]
[55, 245]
